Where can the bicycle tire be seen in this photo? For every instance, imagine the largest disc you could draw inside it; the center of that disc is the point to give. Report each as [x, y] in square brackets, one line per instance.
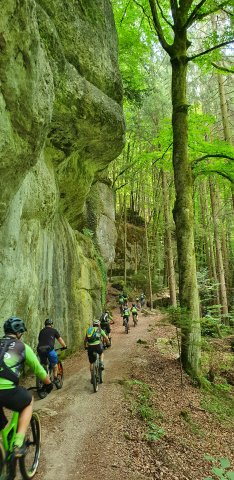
[41, 392]
[126, 326]
[60, 375]
[100, 379]
[94, 378]
[29, 462]
[3, 466]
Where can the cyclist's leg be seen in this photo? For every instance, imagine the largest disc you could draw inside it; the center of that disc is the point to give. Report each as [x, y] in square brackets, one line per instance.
[19, 400]
[53, 359]
[100, 350]
[91, 357]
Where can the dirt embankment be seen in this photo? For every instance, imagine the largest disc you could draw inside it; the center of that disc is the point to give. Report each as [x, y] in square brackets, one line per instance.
[141, 424]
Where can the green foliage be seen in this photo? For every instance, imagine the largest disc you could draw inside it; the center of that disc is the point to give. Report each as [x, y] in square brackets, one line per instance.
[88, 233]
[138, 280]
[210, 327]
[179, 317]
[221, 468]
[194, 427]
[217, 401]
[154, 433]
[141, 394]
[103, 271]
[135, 44]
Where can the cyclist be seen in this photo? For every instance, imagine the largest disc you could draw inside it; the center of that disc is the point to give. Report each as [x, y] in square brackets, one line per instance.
[125, 297]
[105, 323]
[121, 302]
[138, 303]
[126, 315]
[45, 348]
[94, 343]
[142, 299]
[13, 355]
[134, 311]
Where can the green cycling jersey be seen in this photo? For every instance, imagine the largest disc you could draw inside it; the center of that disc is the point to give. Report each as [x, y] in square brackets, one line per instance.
[12, 361]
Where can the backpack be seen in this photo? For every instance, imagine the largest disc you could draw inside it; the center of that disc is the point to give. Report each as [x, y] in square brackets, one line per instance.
[93, 334]
[5, 371]
[104, 319]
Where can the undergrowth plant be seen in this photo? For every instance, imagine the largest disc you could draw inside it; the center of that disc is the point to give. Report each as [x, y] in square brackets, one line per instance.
[221, 468]
[141, 396]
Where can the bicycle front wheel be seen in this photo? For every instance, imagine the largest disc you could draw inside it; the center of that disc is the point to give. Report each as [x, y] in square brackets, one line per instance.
[3, 469]
[29, 463]
[41, 392]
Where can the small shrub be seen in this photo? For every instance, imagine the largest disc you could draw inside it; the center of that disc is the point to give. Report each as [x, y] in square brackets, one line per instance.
[210, 327]
[220, 468]
[154, 433]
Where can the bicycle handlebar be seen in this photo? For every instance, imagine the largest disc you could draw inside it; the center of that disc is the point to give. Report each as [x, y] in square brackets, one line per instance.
[61, 348]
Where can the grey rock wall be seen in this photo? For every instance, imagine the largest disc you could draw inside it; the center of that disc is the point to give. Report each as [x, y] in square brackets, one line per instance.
[61, 122]
[100, 218]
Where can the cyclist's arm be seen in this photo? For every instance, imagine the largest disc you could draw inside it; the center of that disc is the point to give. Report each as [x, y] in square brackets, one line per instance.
[61, 341]
[32, 361]
[104, 336]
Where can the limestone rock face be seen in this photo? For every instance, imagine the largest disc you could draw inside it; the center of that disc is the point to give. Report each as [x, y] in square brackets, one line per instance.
[61, 122]
[100, 212]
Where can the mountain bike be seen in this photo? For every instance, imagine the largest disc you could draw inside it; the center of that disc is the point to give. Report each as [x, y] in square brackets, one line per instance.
[96, 375]
[29, 462]
[42, 393]
[135, 319]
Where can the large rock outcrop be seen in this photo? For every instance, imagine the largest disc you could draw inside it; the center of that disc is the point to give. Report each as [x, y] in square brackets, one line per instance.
[61, 122]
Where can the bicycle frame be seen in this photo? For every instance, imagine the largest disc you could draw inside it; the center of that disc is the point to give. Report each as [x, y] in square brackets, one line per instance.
[9, 432]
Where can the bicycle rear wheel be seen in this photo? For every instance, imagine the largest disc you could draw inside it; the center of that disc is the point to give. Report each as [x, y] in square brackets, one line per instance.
[60, 375]
[95, 376]
[100, 380]
[29, 463]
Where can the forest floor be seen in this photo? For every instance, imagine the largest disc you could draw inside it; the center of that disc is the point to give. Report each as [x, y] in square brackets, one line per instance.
[147, 421]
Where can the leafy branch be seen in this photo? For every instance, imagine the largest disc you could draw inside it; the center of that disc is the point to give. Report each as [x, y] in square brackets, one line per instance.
[217, 155]
[222, 69]
[228, 42]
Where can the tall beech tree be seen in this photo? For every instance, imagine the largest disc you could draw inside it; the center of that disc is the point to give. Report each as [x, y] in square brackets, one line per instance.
[172, 21]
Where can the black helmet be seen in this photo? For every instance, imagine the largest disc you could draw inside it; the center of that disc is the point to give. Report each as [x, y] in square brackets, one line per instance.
[14, 325]
[48, 321]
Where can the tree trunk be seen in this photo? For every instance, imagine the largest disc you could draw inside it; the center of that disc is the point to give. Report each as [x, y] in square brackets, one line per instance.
[183, 213]
[219, 257]
[210, 259]
[125, 241]
[148, 265]
[168, 243]
[224, 109]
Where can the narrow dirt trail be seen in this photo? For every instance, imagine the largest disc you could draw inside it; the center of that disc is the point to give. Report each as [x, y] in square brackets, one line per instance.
[78, 426]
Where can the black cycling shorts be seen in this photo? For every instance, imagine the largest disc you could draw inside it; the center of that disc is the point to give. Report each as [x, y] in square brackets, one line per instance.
[94, 348]
[106, 328]
[15, 399]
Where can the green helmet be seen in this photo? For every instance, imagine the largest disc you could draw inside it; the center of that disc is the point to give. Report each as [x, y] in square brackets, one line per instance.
[14, 325]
